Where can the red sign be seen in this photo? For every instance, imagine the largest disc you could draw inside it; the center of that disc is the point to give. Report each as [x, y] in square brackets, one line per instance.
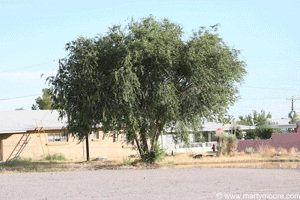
[219, 131]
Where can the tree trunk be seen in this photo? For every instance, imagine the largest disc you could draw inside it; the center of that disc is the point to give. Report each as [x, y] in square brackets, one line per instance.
[138, 146]
[87, 148]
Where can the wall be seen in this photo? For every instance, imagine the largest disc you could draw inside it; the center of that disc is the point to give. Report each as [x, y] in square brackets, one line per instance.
[287, 141]
[73, 149]
[1, 149]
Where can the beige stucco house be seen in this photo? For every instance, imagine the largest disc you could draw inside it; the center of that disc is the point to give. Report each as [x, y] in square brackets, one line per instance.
[37, 133]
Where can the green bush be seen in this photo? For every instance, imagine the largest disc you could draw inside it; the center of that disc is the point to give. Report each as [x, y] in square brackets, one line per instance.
[55, 157]
[154, 156]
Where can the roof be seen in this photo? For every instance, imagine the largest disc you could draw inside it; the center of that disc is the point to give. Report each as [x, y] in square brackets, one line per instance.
[213, 126]
[280, 121]
[284, 126]
[24, 120]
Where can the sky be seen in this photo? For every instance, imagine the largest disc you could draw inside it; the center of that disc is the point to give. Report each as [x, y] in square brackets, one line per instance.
[33, 35]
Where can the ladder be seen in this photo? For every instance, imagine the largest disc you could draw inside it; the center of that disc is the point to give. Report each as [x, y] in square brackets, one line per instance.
[43, 137]
[19, 147]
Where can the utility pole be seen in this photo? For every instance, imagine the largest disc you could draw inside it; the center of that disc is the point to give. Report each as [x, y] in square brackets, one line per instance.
[293, 100]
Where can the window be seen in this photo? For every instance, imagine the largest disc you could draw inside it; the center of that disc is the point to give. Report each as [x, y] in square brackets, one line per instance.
[57, 137]
[95, 135]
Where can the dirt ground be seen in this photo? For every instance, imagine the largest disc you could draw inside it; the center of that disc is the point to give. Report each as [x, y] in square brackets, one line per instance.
[194, 183]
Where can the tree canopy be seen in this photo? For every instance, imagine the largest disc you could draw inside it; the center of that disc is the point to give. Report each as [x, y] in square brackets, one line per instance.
[45, 102]
[146, 77]
[260, 120]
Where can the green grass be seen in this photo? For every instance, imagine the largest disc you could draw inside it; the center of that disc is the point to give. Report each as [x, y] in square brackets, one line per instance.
[126, 161]
[16, 163]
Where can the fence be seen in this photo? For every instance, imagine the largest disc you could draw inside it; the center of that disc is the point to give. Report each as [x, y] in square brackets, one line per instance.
[287, 141]
[192, 147]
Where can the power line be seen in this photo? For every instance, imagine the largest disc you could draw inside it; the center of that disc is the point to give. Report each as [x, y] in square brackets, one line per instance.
[20, 97]
[28, 67]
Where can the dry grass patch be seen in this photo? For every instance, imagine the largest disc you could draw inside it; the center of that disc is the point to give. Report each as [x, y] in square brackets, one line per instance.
[266, 157]
[293, 151]
[267, 151]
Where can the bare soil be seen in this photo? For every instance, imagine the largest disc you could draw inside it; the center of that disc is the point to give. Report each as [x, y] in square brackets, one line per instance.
[192, 183]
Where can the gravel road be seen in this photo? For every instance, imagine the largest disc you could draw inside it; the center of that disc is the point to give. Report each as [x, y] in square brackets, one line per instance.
[196, 183]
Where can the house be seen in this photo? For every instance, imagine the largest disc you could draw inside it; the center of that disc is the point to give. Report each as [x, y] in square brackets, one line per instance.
[37, 133]
[208, 128]
[283, 124]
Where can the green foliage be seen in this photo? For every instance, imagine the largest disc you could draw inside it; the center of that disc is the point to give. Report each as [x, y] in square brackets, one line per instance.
[146, 77]
[45, 102]
[294, 118]
[261, 132]
[264, 132]
[156, 155]
[246, 120]
[239, 133]
[60, 157]
[251, 134]
[227, 119]
[22, 108]
[260, 120]
[126, 161]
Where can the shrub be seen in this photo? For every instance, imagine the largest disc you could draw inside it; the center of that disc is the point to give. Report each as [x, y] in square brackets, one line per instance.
[293, 151]
[226, 144]
[221, 150]
[267, 151]
[154, 156]
[282, 152]
[55, 157]
[231, 144]
[249, 150]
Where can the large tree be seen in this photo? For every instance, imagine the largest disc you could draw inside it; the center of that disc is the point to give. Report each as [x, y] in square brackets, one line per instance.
[146, 77]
